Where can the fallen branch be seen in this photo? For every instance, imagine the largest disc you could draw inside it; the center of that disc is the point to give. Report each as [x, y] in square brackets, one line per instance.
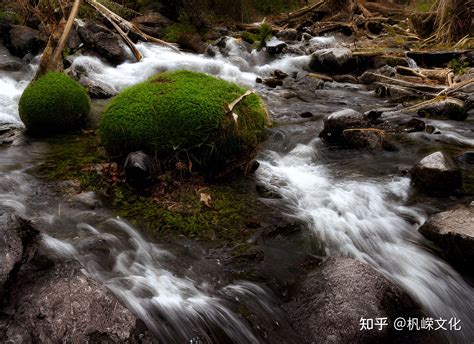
[126, 26]
[430, 89]
[402, 70]
[232, 105]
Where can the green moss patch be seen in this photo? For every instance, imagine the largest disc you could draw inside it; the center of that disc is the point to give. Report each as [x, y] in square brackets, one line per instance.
[183, 116]
[53, 104]
[173, 207]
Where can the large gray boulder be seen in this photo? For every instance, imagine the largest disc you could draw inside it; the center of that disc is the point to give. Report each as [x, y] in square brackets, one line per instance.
[332, 300]
[333, 61]
[453, 231]
[337, 122]
[437, 175]
[62, 305]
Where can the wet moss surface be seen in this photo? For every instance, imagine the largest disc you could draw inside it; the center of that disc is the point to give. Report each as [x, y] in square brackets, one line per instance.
[172, 207]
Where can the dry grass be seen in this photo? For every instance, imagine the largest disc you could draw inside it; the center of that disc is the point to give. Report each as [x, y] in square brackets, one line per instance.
[453, 20]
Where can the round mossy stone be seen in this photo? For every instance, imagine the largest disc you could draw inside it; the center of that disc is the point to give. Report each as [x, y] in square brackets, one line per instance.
[54, 103]
[183, 116]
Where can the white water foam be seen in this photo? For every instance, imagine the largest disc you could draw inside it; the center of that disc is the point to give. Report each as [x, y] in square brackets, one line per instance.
[174, 308]
[368, 220]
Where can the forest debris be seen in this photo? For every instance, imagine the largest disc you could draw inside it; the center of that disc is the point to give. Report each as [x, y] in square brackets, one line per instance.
[232, 105]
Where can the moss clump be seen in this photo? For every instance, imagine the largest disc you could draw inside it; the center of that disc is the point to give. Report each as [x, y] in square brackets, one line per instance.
[177, 209]
[182, 116]
[54, 103]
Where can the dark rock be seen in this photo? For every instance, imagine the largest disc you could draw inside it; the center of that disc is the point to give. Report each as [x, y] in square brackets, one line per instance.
[61, 304]
[346, 78]
[435, 58]
[12, 66]
[466, 158]
[413, 125]
[333, 299]
[139, 170]
[96, 89]
[367, 78]
[265, 192]
[430, 129]
[21, 40]
[275, 47]
[337, 122]
[10, 133]
[17, 242]
[449, 108]
[374, 27]
[192, 41]
[289, 35]
[333, 61]
[253, 166]
[437, 175]
[103, 41]
[453, 231]
[306, 114]
[152, 23]
[364, 138]
[392, 61]
[373, 115]
[74, 41]
[278, 74]
[272, 82]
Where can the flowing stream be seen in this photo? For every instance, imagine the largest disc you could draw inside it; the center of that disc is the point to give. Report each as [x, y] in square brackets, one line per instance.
[356, 204]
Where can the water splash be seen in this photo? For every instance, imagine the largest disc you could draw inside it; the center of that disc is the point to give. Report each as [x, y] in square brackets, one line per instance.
[369, 221]
[175, 309]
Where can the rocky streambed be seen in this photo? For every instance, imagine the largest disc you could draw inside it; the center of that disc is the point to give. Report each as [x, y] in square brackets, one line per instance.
[324, 233]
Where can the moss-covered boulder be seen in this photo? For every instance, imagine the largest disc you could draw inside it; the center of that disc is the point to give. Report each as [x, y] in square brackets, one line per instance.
[183, 116]
[54, 104]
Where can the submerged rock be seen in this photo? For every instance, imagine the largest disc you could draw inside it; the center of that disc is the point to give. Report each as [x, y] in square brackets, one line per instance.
[449, 108]
[437, 175]
[337, 122]
[332, 300]
[453, 231]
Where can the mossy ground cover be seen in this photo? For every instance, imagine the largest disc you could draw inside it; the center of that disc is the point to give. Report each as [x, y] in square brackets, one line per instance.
[182, 117]
[172, 207]
[53, 104]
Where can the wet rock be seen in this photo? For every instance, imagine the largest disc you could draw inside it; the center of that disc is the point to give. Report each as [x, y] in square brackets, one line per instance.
[289, 35]
[97, 89]
[192, 41]
[413, 125]
[139, 170]
[364, 138]
[273, 82]
[453, 231]
[74, 41]
[337, 122]
[437, 175]
[306, 114]
[346, 78]
[61, 304]
[265, 192]
[449, 108]
[275, 47]
[467, 74]
[152, 23]
[386, 60]
[466, 158]
[333, 61]
[17, 240]
[435, 58]
[333, 299]
[103, 41]
[10, 133]
[278, 74]
[12, 66]
[21, 40]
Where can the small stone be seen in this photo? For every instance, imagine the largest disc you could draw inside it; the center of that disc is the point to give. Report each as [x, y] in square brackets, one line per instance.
[306, 114]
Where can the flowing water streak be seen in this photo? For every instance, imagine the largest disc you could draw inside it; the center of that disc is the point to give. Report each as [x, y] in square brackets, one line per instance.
[367, 220]
[174, 308]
